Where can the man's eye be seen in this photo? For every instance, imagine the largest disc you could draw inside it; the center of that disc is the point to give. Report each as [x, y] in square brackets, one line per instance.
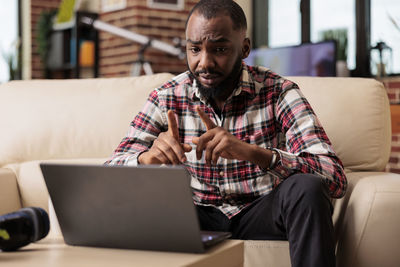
[221, 49]
[195, 49]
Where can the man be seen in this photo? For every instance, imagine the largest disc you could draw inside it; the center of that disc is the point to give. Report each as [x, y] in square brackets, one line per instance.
[262, 166]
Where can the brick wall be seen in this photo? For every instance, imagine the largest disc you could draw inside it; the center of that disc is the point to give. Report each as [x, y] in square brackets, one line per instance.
[37, 7]
[392, 85]
[118, 54]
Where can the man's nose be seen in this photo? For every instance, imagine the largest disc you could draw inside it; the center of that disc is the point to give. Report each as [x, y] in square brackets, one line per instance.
[207, 61]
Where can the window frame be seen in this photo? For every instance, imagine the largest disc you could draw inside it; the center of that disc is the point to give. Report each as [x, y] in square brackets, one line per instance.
[363, 31]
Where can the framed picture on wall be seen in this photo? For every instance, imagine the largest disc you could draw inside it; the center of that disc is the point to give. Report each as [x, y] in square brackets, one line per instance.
[112, 5]
[166, 4]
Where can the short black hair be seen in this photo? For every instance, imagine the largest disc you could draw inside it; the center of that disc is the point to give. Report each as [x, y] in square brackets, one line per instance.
[212, 8]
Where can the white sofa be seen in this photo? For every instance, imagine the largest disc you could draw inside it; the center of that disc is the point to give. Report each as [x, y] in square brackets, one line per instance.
[84, 120]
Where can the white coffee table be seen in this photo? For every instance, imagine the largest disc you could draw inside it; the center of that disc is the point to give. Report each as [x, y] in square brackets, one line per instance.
[55, 253]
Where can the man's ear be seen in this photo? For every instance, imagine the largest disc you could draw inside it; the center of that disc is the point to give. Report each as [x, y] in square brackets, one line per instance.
[246, 48]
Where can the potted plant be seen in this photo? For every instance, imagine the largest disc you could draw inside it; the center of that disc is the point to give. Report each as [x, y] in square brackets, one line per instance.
[44, 28]
[340, 37]
[13, 60]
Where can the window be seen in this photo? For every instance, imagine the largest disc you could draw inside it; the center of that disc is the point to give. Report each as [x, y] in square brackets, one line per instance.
[337, 15]
[385, 27]
[284, 23]
[9, 41]
[368, 22]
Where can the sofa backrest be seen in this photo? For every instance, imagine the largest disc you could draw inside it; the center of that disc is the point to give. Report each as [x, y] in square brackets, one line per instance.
[67, 119]
[355, 113]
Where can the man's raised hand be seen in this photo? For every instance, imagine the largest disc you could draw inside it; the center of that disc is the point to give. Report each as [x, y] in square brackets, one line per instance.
[166, 149]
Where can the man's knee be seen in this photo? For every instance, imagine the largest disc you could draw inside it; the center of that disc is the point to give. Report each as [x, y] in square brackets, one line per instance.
[307, 187]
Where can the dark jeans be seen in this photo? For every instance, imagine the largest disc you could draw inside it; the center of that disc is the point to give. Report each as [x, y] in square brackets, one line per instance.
[298, 210]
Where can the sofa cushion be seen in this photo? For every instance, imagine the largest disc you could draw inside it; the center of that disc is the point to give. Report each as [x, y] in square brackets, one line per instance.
[266, 253]
[61, 119]
[356, 116]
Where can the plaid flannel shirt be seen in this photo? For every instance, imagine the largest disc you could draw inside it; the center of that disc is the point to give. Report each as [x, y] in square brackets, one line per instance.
[265, 109]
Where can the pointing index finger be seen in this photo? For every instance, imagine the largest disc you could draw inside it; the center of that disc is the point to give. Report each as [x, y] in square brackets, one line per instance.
[206, 120]
[173, 125]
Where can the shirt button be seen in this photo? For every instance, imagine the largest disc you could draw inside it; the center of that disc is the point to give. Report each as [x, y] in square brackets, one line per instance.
[221, 173]
[282, 172]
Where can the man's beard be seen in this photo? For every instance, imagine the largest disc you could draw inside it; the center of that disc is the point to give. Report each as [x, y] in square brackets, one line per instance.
[224, 88]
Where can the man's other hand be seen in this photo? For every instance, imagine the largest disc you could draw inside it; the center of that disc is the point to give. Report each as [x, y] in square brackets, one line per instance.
[218, 142]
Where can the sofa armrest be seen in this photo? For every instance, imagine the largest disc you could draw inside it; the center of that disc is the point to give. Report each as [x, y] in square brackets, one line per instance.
[9, 194]
[370, 232]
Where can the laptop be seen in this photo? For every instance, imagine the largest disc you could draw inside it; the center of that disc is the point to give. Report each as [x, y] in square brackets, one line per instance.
[144, 207]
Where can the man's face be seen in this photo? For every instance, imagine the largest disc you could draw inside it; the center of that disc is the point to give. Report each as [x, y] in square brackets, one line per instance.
[214, 53]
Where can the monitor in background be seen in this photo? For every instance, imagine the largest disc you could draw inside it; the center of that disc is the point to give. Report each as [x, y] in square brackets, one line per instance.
[311, 59]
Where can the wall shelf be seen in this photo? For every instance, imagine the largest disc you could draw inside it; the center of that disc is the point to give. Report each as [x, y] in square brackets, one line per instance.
[74, 50]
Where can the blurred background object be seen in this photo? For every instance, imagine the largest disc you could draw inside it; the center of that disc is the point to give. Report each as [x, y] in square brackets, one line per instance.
[381, 60]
